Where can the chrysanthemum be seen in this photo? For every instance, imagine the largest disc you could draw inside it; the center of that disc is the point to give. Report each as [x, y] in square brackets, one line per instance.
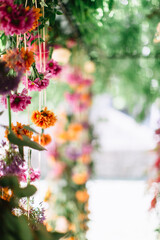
[38, 84]
[45, 139]
[53, 68]
[28, 58]
[7, 82]
[36, 15]
[14, 60]
[15, 19]
[44, 118]
[20, 131]
[18, 101]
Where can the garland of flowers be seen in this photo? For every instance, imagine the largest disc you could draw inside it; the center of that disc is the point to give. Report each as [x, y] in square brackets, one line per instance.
[70, 160]
[21, 62]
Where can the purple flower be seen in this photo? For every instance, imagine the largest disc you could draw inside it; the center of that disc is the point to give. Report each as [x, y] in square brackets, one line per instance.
[12, 164]
[7, 82]
[72, 153]
[53, 68]
[19, 101]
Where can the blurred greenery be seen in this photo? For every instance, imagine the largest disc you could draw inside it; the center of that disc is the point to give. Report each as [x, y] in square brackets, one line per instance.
[118, 37]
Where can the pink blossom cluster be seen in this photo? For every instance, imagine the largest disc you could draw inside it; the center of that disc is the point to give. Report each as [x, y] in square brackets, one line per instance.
[15, 19]
[77, 79]
[74, 99]
[18, 101]
[38, 84]
[53, 68]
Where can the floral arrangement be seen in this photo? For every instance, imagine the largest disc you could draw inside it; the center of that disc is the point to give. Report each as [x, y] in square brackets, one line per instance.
[70, 161]
[24, 68]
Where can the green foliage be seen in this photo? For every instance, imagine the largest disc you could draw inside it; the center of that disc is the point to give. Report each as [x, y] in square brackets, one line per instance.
[24, 142]
[14, 227]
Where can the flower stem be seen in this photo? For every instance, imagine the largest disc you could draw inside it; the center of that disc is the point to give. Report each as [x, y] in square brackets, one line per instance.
[9, 112]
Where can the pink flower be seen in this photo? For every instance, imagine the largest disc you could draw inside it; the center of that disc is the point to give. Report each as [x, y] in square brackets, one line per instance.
[39, 83]
[53, 68]
[19, 101]
[72, 97]
[15, 19]
[34, 174]
[74, 79]
[87, 149]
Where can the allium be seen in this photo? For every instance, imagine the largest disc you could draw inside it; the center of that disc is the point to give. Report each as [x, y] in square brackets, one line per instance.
[7, 82]
[53, 68]
[19, 101]
[38, 84]
[15, 19]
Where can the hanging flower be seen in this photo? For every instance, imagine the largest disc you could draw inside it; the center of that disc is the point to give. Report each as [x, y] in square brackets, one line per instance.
[45, 139]
[28, 58]
[38, 84]
[18, 101]
[44, 118]
[12, 163]
[34, 174]
[36, 15]
[53, 68]
[82, 196]
[7, 82]
[15, 19]
[13, 59]
[20, 131]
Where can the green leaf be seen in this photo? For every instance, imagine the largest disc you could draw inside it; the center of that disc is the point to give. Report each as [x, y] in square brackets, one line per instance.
[1, 113]
[30, 129]
[26, 192]
[25, 142]
[9, 181]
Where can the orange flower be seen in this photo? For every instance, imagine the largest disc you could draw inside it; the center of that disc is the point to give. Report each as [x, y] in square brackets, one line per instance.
[19, 130]
[37, 15]
[82, 196]
[44, 118]
[45, 139]
[48, 227]
[28, 57]
[48, 195]
[80, 178]
[75, 127]
[85, 158]
[6, 194]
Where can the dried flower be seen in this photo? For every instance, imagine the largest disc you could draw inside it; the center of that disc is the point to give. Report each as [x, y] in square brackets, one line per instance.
[44, 118]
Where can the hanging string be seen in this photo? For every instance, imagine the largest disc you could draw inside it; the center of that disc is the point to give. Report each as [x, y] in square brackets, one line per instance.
[44, 56]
